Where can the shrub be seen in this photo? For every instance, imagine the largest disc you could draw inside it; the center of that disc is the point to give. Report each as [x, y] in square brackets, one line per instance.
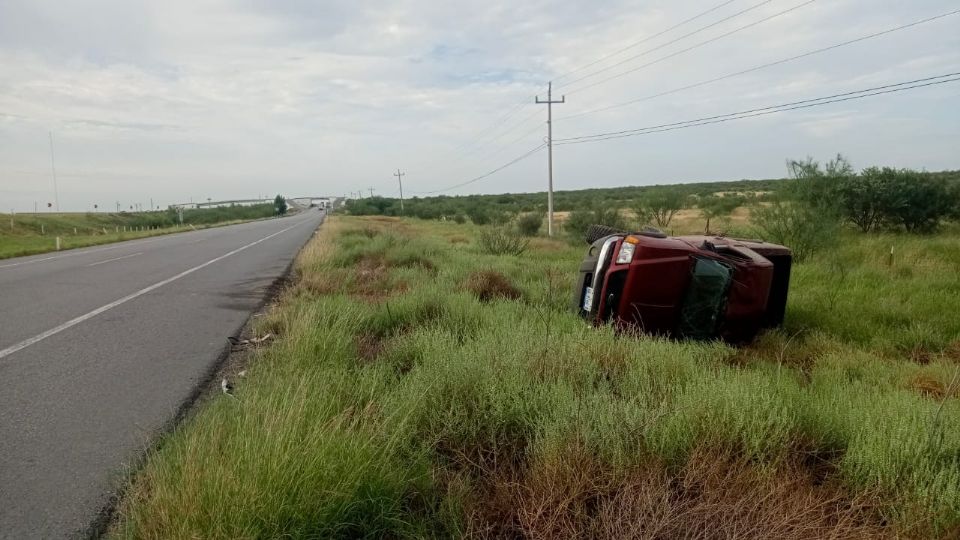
[460, 219]
[795, 225]
[478, 215]
[600, 213]
[529, 224]
[501, 241]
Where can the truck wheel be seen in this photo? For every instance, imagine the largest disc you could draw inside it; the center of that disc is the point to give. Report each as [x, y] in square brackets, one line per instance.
[596, 232]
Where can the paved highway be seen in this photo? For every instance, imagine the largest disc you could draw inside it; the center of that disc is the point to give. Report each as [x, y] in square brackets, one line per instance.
[100, 346]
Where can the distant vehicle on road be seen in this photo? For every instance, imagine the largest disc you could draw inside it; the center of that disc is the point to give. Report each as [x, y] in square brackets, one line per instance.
[698, 287]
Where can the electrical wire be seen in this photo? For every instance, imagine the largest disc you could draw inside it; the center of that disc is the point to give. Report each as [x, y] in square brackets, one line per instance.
[487, 174]
[762, 66]
[671, 42]
[642, 41]
[750, 113]
[692, 47]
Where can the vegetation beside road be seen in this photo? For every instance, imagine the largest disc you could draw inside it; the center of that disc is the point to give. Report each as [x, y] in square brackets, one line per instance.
[29, 234]
[422, 387]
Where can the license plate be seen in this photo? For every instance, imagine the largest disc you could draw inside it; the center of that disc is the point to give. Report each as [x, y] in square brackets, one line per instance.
[588, 299]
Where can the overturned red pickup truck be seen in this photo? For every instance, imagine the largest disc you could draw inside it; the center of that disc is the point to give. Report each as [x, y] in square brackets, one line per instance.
[697, 287]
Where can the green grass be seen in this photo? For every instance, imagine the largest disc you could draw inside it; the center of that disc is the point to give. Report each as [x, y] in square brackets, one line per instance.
[397, 403]
[30, 234]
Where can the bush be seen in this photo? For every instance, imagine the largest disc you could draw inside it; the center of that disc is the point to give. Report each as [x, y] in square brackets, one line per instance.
[478, 215]
[600, 213]
[529, 224]
[796, 225]
[459, 219]
[501, 241]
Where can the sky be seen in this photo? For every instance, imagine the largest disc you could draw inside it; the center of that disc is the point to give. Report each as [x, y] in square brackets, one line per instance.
[188, 100]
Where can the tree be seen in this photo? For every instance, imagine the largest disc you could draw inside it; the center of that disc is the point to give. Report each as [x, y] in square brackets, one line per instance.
[713, 206]
[660, 206]
[817, 185]
[803, 216]
[926, 201]
[869, 199]
[280, 205]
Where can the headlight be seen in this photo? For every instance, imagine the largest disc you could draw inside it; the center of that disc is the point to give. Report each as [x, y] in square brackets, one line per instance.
[625, 255]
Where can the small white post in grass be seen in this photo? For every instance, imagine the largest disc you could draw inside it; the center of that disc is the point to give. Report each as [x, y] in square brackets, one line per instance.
[74, 231]
[890, 260]
[58, 243]
[43, 230]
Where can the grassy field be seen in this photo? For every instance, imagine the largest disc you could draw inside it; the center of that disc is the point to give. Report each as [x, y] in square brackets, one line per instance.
[420, 388]
[28, 234]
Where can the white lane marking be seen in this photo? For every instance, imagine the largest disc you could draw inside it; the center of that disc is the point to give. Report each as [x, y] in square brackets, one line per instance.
[86, 316]
[81, 251]
[115, 259]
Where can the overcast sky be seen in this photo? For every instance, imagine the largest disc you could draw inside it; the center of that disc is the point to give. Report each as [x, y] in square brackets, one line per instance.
[194, 99]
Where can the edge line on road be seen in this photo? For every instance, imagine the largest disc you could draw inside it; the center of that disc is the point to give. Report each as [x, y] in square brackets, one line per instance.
[86, 316]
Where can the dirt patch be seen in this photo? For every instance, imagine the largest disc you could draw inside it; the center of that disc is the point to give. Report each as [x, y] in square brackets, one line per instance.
[459, 239]
[489, 285]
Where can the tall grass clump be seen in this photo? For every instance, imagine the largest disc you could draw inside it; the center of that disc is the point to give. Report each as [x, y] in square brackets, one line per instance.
[501, 241]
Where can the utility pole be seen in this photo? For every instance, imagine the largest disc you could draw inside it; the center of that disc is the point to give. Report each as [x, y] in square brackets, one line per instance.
[371, 192]
[549, 102]
[53, 167]
[400, 176]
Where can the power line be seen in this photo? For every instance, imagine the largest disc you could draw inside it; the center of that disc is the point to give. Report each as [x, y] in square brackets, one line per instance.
[671, 42]
[750, 113]
[512, 142]
[644, 40]
[478, 143]
[513, 128]
[485, 175]
[697, 46]
[762, 66]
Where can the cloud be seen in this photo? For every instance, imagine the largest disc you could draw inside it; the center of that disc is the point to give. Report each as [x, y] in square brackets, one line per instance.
[227, 98]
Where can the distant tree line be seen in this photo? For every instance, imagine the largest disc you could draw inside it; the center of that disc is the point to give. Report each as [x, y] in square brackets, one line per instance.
[801, 211]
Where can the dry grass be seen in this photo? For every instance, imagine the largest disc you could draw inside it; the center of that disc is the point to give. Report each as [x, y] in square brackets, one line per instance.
[932, 387]
[489, 285]
[714, 495]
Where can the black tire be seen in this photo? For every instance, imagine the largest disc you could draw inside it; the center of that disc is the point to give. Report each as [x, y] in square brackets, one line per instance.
[596, 232]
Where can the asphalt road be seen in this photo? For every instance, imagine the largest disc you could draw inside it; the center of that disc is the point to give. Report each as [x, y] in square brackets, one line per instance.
[100, 346]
